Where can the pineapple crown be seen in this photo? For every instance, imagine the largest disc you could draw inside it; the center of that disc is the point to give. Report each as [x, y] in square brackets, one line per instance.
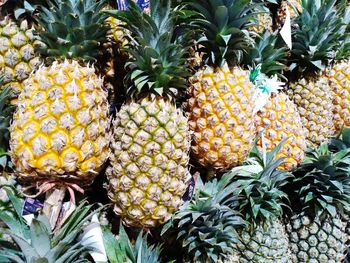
[260, 186]
[157, 64]
[316, 35]
[223, 29]
[322, 185]
[37, 243]
[72, 29]
[207, 226]
[344, 50]
[267, 53]
[121, 249]
[21, 9]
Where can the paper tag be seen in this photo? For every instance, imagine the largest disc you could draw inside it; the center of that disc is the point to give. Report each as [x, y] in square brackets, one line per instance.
[31, 208]
[286, 31]
[93, 237]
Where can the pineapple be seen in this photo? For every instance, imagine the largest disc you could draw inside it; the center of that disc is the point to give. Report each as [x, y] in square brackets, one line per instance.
[264, 18]
[17, 48]
[277, 116]
[60, 130]
[220, 97]
[339, 77]
[37, 243]
[314, 39]
[320, 201]
[261, 201]
[206, 227]
[293, 6]
[151, 141]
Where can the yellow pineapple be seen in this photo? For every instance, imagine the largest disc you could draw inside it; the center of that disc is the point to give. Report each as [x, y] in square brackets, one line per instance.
[220, 104]
[17, 49]
[148, 174]
[279, 119]
[339, 76]
[309, 86]
[60, 130]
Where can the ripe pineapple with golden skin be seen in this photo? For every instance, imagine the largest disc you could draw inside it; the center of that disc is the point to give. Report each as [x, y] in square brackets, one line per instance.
[220, 103]
[60, 130]
[277, 116]
[339, 76]
[279, 119]
[148, 172]
[309, 87]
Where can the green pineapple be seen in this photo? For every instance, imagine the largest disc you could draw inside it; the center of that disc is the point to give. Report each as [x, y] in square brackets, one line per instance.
[321, 203]
[261, 201]
[151, 140]
[206, 228]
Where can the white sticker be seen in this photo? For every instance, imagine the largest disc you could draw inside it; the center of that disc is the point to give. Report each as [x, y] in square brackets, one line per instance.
[286, 31]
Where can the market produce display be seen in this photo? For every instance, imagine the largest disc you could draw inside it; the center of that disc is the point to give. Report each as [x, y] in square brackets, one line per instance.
[150, 131]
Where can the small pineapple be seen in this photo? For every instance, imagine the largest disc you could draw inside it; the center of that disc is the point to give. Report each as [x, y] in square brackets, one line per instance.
[261, 200]
[220, 97]
[277, 116]
[264, 18]
[60, 130]
[320, 202]
[150, 148]
[314, 40]
[206, 228]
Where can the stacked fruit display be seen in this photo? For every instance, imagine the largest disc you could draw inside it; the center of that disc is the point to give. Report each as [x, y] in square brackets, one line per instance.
[194, 119]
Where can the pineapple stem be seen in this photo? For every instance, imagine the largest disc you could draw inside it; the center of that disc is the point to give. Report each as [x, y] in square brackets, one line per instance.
[53, 205]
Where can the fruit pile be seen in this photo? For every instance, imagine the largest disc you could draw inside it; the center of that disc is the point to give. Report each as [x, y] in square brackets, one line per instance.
[179, 131]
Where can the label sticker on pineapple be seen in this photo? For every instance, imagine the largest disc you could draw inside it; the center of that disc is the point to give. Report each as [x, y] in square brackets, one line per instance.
[286, 31]
[144, 4]
[190, 190]
[31, 208]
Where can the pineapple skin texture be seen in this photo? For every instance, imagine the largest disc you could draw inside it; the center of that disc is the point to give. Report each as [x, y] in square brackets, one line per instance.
[60, 129]
[316, 241]
[265, 22]
[150, 153]
[280, 119]
[282, 11]
[339, 76]
[220, 111]
[17, 56]
[314, 101]
[268, 244]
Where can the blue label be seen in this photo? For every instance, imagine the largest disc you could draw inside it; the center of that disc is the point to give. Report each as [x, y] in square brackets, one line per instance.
[123, 5]
[31, 206]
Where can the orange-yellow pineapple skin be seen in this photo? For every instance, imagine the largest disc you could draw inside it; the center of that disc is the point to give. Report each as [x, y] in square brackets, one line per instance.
[61, 126]
[339, 76]
[220, 111]
[279, 119]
